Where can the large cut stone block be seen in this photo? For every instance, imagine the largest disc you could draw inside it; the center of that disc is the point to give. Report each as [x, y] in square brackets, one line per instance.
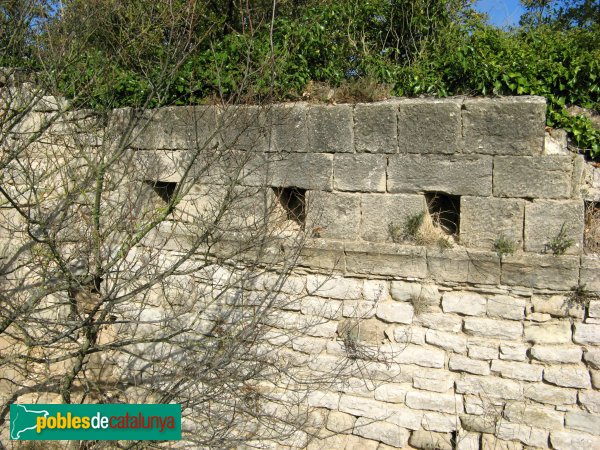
[485, 219]
[459, 265]
[429, 126]
[380, 212]
[504, 126]
[289, 132]
[590, 273]
[541, 271]
[386, 259]
[333, 215]
[457, 174]
[331, 128]
[363, 173]
[244, 128]
[180, 127]
[301, 170]
[375, 128]
[533, 177]
[544, 220]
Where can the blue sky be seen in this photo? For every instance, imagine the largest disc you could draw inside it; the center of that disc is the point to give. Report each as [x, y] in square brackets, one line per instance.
[501, 12]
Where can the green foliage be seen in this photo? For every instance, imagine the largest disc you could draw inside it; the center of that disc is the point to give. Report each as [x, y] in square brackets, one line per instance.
[504, 246]
[563, 66]
[560, 243]
[129, 52]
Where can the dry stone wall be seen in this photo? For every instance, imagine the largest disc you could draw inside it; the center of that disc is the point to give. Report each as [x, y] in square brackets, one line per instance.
[458, 346]
[462, 347]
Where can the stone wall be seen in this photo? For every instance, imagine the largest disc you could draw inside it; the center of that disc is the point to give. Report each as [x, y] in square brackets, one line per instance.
[457, 344]
[453, 346]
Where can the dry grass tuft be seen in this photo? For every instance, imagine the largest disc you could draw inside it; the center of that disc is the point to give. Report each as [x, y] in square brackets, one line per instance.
[591, 235]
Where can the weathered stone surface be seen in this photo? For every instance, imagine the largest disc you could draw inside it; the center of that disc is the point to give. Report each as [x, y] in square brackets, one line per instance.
[281, 170]
[359, 173]
[336, 216]
[440, 321]
[391, 392]
[493, 328]
[534, 437]
[594, 308]
[448, 403]
[557, 332]
[518, 370]
[460, 265]
[329, 309]
[322, 254]
[443, 423]
[592, 357]
[544, 220]
[555, 142]
[590, 270]
[288, 125]
[386, 259]
[376, 290]
[468, 303]
[583, 421]
[489, 387]
[590, 401]
[513, 351]
[331, 128]
[424, 356]
[506, 307]
[340, 422]
[386, 432]
[428, 440]
[467, 440]
[408, 334]
[534, 415]
[478, 423]
[334, 287]
[517, 127]
[484, 219]
[380, 212]
[568, 376]
[482, 348]
[568, 440]
[396, 312]
[461, 363]
[429, 126]
[587, 334]
[550, 395]
[375, 127]
[435, 381]
[541, 271]
[359, 309]
[321, 399]
[449, 341]
[194, 127]
[533, 177]
[309, 344]
[457, 174]
[555, 305]
[556, 354]
[404, 291]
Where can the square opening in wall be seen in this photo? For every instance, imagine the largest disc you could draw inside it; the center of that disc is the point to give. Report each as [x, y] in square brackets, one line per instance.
[293, 202]
[164, 189]
[444, 210]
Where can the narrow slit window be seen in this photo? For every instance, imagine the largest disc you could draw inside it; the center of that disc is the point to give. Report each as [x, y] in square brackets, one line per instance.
[164, 189]
[293, 201]
[444, 210]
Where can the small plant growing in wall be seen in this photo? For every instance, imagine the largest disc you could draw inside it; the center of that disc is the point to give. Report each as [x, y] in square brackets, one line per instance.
[560, 243]
[579, 298]
[504, 246]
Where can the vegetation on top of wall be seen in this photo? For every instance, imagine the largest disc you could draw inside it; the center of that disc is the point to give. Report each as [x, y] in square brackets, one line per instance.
[245, 53]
